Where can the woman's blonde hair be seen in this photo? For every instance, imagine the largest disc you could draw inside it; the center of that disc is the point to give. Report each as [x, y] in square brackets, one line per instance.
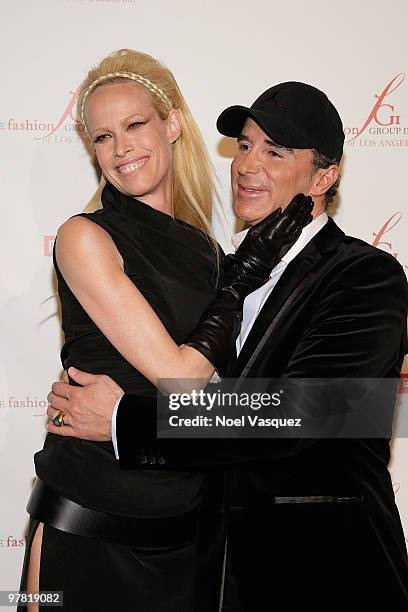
[193, 176]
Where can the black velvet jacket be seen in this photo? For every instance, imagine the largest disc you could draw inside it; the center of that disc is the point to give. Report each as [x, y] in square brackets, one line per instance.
[338, 311]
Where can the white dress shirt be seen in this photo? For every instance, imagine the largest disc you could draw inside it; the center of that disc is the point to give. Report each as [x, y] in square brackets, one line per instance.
[255, 300]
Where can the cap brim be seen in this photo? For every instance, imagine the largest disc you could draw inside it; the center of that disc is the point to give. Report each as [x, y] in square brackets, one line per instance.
[281, 130]
[232, 119]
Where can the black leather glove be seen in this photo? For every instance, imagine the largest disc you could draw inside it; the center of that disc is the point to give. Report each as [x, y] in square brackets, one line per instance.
[263, 246]
[244, 272]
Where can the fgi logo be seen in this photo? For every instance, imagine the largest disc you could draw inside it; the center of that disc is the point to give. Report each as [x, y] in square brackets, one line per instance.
[68, 114]
[383, 117]
[387, 227]
[384, 242]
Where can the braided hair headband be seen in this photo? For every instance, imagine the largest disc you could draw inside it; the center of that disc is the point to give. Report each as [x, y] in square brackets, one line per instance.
[126, 75]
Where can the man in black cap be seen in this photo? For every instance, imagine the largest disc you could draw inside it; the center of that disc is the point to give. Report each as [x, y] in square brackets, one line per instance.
[312, 523]
[315, 526]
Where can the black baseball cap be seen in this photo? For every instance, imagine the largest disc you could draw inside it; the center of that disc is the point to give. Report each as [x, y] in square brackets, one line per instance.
[294, 115]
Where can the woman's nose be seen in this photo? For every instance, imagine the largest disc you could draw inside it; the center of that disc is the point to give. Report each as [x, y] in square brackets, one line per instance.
[122, 146]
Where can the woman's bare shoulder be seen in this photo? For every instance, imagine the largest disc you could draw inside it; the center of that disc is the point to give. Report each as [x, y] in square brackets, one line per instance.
[79, 237]
[80, 227]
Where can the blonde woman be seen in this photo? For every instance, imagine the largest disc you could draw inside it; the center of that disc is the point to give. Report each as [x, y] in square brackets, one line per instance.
[134, 278]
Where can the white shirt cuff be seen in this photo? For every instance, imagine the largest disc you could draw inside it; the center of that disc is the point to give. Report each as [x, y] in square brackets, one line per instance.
[215, 378]
[114, 440]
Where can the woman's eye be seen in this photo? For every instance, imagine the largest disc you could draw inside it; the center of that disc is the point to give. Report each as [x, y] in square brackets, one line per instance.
[135, 124]
[101, 138]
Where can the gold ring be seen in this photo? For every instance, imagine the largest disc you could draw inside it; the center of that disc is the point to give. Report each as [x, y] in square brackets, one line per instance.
[58, 420]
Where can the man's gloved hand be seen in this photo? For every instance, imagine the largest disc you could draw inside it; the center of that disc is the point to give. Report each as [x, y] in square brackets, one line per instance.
[244, 272]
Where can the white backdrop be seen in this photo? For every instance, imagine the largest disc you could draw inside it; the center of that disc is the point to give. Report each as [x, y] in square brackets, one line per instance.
[222, 53]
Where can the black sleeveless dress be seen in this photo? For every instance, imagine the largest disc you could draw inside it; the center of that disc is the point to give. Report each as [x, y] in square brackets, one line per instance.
[174, 266]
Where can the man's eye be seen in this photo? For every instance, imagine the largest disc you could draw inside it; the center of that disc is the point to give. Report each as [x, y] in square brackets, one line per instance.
[101, 138]
[243, 147]
[275, 153]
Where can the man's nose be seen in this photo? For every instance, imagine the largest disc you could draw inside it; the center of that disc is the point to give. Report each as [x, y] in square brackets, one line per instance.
[249, 164]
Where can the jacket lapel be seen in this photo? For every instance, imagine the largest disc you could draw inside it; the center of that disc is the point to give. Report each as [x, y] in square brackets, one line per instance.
[291, 286]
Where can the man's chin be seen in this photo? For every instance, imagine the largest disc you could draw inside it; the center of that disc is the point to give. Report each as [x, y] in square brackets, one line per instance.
[250, 214]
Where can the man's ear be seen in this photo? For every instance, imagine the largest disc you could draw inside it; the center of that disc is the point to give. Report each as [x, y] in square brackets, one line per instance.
[173, 125]
[323, 179]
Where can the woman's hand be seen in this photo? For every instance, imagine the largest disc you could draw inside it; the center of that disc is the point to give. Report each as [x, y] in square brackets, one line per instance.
[245, 272]
[263, 246]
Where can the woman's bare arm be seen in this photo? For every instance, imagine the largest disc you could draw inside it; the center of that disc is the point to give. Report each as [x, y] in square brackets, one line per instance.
[93, 269]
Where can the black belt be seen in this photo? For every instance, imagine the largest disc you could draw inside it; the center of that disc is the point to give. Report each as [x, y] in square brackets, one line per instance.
[52, 509]
[308, 499]
[318, 499]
